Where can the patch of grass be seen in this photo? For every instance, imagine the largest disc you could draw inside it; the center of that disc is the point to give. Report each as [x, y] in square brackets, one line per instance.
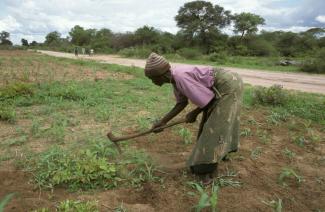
[74, 206]
[7, 114]
[16, 89]
[289, 173]
[5, 201]
[92, 166]
[246, 132]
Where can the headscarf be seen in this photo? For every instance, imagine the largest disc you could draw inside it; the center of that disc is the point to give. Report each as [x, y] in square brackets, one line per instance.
[156, 65]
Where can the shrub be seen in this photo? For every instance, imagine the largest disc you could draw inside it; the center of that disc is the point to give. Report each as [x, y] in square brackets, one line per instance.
[316, 65]
[259, 47]
[7, 114]
[273, 95]
[139, 52]
[189, 53]
[220, 57]
[16, 89]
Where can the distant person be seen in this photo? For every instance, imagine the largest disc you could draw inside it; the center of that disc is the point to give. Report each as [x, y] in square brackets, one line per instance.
[76, 51]
[83, 51]
[218, 96]
[91, 52]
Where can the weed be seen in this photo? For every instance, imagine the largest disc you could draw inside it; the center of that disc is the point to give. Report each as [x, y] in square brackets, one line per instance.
[74, 206]
[289, 173]
[299, 140]
[246, 132]
[276, 205]
[120, 208]
[264, 136]
[288, 153]
[16, 89]
[143, 123]
[7, 114]
[186, 135]
[206, 199]
[226, 180]
[16, 141]
[5, 201]
[273, 95]
[276, 116]
[255, 153]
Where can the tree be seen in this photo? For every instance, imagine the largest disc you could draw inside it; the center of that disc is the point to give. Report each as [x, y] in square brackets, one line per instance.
[146, 35]
[102, 39]
[53, 38]
[4, 38]
[24, 42]
[246, 23]
[80, 36]
[201, 21]
[33, 43]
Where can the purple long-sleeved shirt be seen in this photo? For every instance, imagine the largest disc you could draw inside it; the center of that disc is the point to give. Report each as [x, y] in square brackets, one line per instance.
[193, 83]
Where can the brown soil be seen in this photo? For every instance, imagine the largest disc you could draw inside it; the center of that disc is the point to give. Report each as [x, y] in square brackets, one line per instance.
[259, 176]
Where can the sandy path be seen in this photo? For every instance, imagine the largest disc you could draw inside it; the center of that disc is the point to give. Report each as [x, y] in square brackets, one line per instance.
[296, 81]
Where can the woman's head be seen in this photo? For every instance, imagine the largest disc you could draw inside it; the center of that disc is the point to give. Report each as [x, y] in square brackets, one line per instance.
[156, 68]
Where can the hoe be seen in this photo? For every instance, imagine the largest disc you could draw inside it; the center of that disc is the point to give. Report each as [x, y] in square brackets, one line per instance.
[115, 139]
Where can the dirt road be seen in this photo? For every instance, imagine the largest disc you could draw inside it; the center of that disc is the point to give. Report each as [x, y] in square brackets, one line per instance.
[296, 81]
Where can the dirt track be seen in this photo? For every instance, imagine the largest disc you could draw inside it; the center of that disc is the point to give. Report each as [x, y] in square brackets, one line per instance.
[295, 81]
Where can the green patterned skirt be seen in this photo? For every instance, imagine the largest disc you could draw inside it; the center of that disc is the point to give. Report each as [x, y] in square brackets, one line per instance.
[219, 129]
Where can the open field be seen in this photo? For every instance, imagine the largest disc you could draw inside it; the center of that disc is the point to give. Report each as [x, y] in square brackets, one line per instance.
[55, 113]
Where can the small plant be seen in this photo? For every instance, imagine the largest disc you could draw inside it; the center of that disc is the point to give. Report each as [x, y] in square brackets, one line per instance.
[16, 89]
[206, 199]
[246, 132]
[186, 135]
[264, 137]
[289, 173]
[276, 205]
[273, 96]
[288, 153]
[226, 180]
[75, 205]
[7, 114]
[255, 154]
[299, 140]
[5, 201]
[277, 116]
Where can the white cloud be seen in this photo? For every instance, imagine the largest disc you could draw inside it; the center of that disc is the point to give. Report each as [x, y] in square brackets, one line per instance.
[33, 19]
[320, 18]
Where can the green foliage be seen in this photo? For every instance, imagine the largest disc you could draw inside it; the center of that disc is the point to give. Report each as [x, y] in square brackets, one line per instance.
[255, 154]
[246, 23]
[7, 114]
[186, 135]
[276, 205]
[273, 95]
[260, 47]
[5, 201]
[88, 167]
[206, 199]
[74, 206]
[138, 52]
[289, 173]
[189, 53]
[78, 206]
[288, 153]
[317, 64]
[16, 89]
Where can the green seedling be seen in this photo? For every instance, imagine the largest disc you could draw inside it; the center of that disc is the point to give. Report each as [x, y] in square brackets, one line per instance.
[246, 132]
[226, 180]
[5, 201]
[276, 205]
[255, 154]
[206, 198]
[186, 134]
[288, 153]
[289, 173]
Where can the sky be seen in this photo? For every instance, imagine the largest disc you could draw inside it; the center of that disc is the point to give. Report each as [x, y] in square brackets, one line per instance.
[34, 19]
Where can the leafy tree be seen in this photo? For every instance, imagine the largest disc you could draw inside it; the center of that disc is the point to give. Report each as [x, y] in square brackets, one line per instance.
[246, 23]
[33, 43]
[4, 38]
[201, 21]
[53, 38]
[102, 39]
[80, 36]
[146, 35]
[24, 42]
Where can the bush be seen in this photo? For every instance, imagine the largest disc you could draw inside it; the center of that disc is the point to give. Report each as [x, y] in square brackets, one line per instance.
[316, 65]
[273, 95]
[139, 52]
[16, 89]
[7, 114]
[189, 53]
[220, 57]
[259, 47]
